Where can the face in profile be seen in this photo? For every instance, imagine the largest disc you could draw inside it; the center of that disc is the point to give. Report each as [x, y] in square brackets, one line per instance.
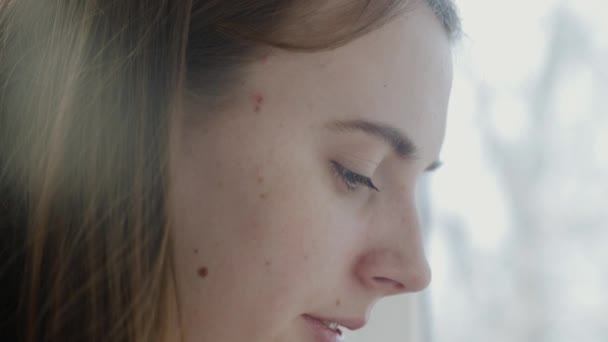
[294, 204]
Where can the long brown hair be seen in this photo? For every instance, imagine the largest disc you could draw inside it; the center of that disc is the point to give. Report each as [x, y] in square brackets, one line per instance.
[86, 91]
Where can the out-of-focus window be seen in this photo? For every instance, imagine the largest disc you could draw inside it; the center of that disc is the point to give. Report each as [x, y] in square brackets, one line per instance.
[519, 236]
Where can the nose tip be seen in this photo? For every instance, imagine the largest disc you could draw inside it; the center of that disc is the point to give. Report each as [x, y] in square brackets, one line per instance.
[389, 286]
[411, 281]
[388, 275]
[394, 261]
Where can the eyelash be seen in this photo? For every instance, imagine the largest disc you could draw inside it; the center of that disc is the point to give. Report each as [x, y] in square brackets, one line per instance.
[351, 179]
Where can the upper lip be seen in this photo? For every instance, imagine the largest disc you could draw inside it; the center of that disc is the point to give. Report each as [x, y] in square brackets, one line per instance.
[350, 324]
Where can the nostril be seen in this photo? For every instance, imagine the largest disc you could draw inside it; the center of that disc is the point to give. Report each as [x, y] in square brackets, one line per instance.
[390, 282]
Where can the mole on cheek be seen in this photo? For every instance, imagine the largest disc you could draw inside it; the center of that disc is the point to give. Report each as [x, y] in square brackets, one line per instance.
[338, 302]
[203, 272]
[258, 101]
[260, 181]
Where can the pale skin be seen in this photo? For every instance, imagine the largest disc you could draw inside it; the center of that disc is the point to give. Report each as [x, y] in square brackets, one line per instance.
[271, 218]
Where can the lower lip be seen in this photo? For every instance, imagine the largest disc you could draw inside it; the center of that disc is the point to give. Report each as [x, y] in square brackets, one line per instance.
[321, 331]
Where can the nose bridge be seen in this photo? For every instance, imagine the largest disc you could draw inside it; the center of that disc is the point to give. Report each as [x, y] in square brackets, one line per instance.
[396, 262]
[402, 224]
[406, 214]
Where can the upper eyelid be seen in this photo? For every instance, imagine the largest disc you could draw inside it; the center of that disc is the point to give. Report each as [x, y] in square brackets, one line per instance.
[401, 144]
[342, 168]
[365, 181]
[365, 159]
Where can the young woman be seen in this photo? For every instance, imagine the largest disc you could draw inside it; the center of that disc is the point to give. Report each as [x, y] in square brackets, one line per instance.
[214, 170]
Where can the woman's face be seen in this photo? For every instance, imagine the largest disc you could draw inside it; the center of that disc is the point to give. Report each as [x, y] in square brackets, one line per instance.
[296, 203]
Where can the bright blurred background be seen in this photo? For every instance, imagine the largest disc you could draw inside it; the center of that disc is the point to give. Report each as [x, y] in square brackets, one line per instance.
[518, 240]
[518, 218]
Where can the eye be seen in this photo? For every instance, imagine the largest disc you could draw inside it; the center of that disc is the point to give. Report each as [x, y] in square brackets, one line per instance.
[351, 179]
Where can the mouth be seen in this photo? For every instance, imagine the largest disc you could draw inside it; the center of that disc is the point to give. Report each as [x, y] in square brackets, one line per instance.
[324, 331]
[330, 330]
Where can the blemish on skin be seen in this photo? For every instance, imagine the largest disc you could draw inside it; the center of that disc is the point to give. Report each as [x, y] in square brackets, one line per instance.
[260, 179]
[258, 101]
[267, 263]
[196, 251]
[220, 184]
[385, 85]
[338, 302]
[203, 272]
[263, 196]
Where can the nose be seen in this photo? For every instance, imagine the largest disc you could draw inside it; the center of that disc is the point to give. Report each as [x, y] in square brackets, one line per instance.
[394, 261]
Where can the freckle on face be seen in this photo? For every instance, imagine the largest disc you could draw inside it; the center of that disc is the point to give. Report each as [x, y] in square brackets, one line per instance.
[258, 101]
[203, 272]
[264, 58]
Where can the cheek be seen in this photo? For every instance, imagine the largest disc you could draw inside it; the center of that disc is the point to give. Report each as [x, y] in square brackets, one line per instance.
[289, 216]
[252, 222]
[261, 215]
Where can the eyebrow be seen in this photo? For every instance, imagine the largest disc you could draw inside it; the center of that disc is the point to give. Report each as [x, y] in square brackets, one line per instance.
[401, 144]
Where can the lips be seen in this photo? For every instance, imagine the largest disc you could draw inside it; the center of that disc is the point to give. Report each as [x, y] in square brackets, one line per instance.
[328, 329]
[350, 324]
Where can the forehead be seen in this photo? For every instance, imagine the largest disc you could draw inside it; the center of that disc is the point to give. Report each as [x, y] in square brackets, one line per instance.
[399, 74]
